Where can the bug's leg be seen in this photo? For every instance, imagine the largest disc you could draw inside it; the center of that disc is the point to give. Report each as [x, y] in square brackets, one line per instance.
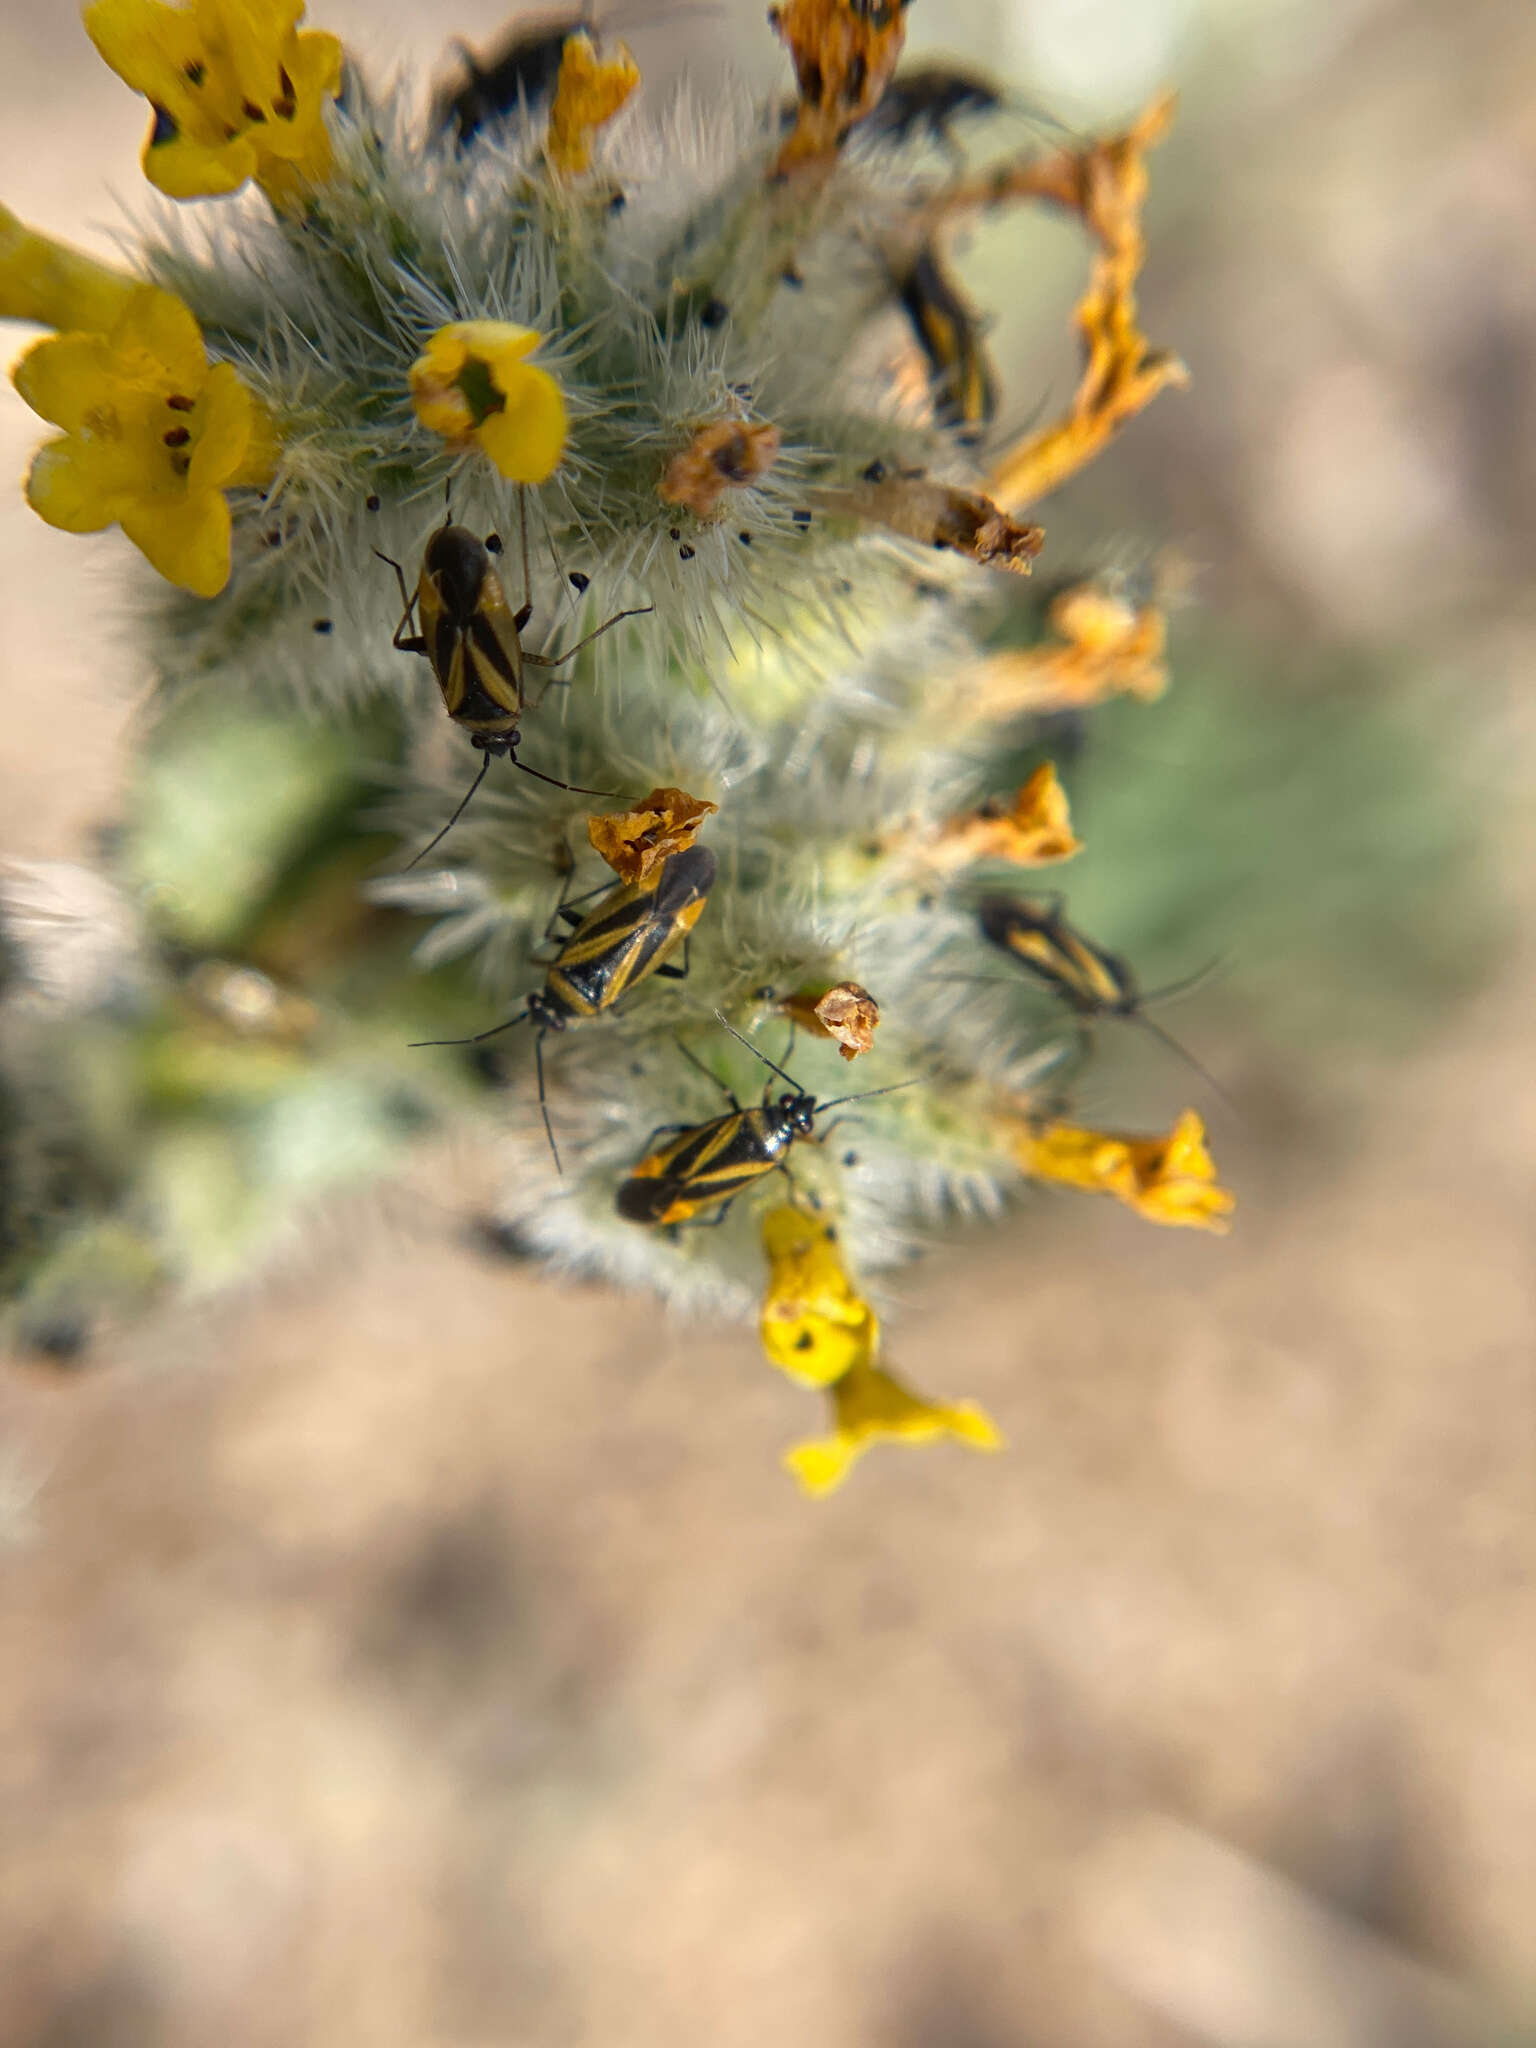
[661, 1131]
[524, 611]
[414, 644]
[538, 1061]
[708, 1222]
[694, 1061]
[669, 970]
[559, 660]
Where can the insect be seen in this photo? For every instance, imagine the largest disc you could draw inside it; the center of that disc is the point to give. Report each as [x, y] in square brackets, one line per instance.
[929, 96]
[712, 1162]
[470, 635]
[626, 936]
[960, 374]
[1092, 982]
[522, 70]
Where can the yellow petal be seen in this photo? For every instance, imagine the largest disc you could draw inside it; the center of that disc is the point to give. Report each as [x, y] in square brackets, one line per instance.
[148, 44]
[157, 324]
[588, 93]
[871, 1406]
[187, 540]
[221, 424]
[63, 377]
[63, 490]
[821, 1465]
[815, 1325]
[184, 169]
[527, 438]
[1168, 1180]
[56, 286]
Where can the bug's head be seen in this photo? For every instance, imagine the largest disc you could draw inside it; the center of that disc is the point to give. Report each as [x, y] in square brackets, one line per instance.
[544, 1014]
[1000, 916]
[799, 1112]
[457, 563]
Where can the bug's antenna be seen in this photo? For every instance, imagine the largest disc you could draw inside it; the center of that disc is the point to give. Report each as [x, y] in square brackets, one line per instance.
[538, 1061]
[1167, 1038]
[478, 1037]
[894, 1089]
[447, 501]
[462, 807]
[554, 782]
[1181, 988]
[761, 1055]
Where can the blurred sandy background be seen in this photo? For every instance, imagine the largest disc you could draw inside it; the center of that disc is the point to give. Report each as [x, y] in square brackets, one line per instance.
[417, 1656]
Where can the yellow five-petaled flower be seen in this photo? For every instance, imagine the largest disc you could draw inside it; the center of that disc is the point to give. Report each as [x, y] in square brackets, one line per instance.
[1167, 1180]
[474, 386]
[237, 92]
[153, 437]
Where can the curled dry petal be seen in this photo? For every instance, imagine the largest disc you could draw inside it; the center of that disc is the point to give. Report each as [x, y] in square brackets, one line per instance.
[725, 455]
[1099, 645]
[844, 52]
[636, 841]
[846, 1013]
[1032, 831]
[939, 515]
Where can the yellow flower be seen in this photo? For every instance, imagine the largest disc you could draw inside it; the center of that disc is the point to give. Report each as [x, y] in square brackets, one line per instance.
[814, 1324]
[869, 1406]
[1167, 1180]
[238, 93]
[56, 286]
[153, 437]
[473, 386]
[587, 93]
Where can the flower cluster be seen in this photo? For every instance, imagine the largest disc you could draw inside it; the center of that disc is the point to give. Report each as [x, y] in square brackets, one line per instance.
[657, 450]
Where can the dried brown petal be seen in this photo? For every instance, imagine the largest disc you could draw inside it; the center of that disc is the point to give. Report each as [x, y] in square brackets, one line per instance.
[1032, 831]
[723, 456]
[1100, 646]
[636, 841]
[941, 516]
[844, 52]
[846, 1013]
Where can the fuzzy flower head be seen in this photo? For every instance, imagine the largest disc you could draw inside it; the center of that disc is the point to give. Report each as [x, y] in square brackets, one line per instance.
[153, 437]
[870, 1406]
[237, 91]
[473, 386]
[1167, 1180]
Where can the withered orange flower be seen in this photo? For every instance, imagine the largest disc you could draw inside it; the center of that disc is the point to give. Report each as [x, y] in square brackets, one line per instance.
[846, 1013]
[940, 516]
[636, 841]
[723, 456]
[589, 91]
[844, 52]
[1032, 831]
[1106, 183]
[1168, 1180]
[1099, 645]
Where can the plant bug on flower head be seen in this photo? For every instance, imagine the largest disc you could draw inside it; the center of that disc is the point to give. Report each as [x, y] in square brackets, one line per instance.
[470, 635]
[1091, 981]
[960, 375]
[712, 1162]
[628, 935]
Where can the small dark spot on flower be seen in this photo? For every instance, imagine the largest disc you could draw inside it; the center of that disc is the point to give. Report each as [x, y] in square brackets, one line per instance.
[674, 533]
[804, 1341]
[763, 994]
[372, 502]
[812, 85]
[272, 538]
[251, 111]
[164, 130]
[193, 73]
[715, 313]
[874, 473]
[322, 626]
[801, 518]
[831, 1233]
[745, 538]
[176, 437]
[286, 105]
[790, 276]
[850, 1159]
[181, 462]
[685, 554]
[617, 203]
[578, 581]
[855, 82]
[179, 402]
[493, 543]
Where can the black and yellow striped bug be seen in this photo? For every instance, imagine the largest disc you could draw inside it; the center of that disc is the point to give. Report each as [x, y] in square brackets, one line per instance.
[961, 379]
[711, 1163]
[471, 637]
[929, 96]
[627, 936]
[1091, 981]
